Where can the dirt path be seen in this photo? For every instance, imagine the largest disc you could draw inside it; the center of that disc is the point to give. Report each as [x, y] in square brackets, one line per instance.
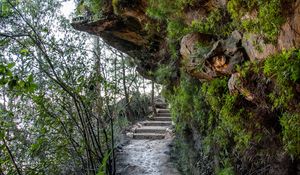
[146, 157]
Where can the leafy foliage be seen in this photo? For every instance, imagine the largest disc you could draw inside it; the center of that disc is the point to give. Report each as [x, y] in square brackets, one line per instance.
[188, 107]
[169, 13]
[59, 101]
[165, 9]
[104, 162]
[285, 69]
[291, 132]
[267, 22]
[215, 24]
[90, 8]
[229, 124]
[13, 82]
[164, 74]
[213, 112]
[176, 29]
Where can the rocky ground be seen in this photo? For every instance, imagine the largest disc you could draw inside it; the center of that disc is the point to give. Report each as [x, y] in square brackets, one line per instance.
[148, 149]
[147, 157]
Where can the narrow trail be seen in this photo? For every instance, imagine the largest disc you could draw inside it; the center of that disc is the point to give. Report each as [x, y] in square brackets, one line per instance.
[148, 152]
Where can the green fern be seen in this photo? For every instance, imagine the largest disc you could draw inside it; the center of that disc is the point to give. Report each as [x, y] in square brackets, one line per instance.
[291, 133]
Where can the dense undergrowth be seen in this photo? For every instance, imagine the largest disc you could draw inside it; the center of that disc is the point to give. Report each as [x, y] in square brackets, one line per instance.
[261, 17]
[237, 135]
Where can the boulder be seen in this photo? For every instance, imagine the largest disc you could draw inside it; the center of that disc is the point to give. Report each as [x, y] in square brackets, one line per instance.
[221, 59]
[188, 43]
[256, 48]
[235, 86]
[226, 54]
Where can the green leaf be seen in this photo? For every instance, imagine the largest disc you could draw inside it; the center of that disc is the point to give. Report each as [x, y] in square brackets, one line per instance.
[101, 170]
[2, 134]
[21, 83]
[11, 65]
[32, 87]
[24, 52]
[4, 42]
[30, 78]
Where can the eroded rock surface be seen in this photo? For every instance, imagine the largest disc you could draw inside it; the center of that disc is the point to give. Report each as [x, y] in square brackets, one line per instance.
[221, 59]
[125, 31]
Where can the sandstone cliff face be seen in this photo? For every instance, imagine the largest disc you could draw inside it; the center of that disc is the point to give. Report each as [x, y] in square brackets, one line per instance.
[126, 32]
[124, 25]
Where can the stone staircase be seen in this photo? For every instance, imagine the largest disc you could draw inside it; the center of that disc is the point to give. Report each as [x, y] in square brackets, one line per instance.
[157, 127]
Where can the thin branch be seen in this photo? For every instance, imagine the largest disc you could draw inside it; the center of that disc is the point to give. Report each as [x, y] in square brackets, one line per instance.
[11, 157]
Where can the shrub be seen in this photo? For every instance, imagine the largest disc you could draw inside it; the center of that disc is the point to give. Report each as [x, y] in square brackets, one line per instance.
[285, 68]
[291, 133]
[167, 9]
[90, 7]
[226, 171]
[229, 123]
[170, 12]
[164, 74]
[215, 24]
[214, 93]
[187, 103]
[176, 29]
[267, 22]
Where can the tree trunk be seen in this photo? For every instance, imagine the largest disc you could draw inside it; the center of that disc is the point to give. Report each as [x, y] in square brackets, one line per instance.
[127, 100]
[152, 99]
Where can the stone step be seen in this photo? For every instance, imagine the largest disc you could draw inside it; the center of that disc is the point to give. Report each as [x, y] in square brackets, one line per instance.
[150, 136]
[161, 105]
[159, 101]
[162, 119]
[157, 123]
[151, 129]
[163, 115]
[161, 110]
